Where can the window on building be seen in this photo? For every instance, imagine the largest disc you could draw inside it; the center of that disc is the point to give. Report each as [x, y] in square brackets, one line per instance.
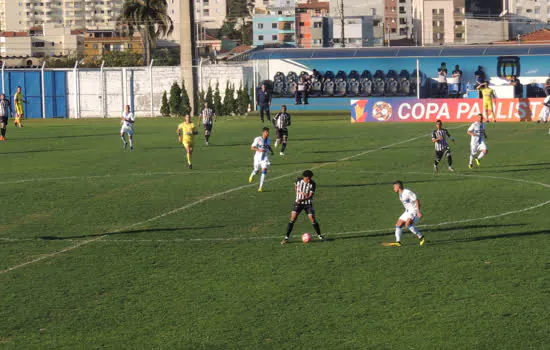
[518, 10]
[402, 9]
[394, 30]
[459, 23]
[317, 25]
[301, 24]
[459, 35]
[529, 10]
[274, 37]
[373, 11]
[206, 12]
[537, 10]
[301, 36]
[393, 9]
[273, 25]
[434, 11]
[260, 26]
[402, 21]
[548, 11]
[260, 37]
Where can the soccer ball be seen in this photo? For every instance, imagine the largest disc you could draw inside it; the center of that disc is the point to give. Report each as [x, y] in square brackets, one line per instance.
[306, 237]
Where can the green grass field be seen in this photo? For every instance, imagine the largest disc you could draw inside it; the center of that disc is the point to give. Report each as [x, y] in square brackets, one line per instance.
[106, 248]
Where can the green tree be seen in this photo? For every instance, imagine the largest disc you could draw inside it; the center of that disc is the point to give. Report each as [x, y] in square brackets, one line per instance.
[240, 11]
[209, 96]
[185, 106]
[239, 100]
[246, 99]
[122, 59]
[200, 101]
[166, 56]
[149, 18]
[175, 99]
[164, 106]
[217, 100]
[226, 100]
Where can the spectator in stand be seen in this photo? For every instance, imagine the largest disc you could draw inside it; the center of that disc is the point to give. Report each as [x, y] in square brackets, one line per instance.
[547, 86]
[480, 78]
[302, 91]
[518, 88]
[264, 101]
[457, 75]
[442, 80]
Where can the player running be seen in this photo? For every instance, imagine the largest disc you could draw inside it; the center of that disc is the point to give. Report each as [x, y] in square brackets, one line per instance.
[477, 143]
[207, 115]
[439, 138]
[5, 113]
[128, 119]
[262, 145]
[488, 95]
[281, 123]
[411, 215]
[305, 189]
[18, 101]
[186, 132]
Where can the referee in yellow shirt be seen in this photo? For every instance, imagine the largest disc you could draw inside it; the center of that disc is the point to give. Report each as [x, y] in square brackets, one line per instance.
[186, 132]
[487, 93]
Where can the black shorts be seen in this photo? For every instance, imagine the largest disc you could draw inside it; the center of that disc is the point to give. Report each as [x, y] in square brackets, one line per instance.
[4, 120]
[281, 133]
[208, 127]
[298, 207]
[440, 154]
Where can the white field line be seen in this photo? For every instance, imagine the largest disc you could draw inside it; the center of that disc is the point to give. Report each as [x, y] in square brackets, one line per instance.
[95, 239]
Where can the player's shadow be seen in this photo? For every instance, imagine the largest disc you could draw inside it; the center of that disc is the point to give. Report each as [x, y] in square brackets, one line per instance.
[391, 232]
[130, 232]
[384, 183]
[44, 151]
[484, 238]
[518, 165]
[67, 136]
[338, 151]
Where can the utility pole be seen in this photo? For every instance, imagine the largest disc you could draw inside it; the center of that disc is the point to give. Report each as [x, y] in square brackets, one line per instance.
[187, 28]
[342, 33]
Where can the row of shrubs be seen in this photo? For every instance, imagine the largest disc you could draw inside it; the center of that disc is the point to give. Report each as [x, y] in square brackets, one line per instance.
[235, 101]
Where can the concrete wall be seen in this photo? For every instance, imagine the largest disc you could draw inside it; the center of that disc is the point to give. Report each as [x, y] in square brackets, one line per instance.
[234, 73]
[91, 96]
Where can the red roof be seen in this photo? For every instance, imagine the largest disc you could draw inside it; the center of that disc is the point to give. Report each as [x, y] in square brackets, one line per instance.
[314, 5]
[537, 36]
[13, 34]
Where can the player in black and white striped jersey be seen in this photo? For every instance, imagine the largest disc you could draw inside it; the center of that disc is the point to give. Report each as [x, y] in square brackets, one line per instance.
[305, 189]
[442, 149]
[281, 123]
[207, 117]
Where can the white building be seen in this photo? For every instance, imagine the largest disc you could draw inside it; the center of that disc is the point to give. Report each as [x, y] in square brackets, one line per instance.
[372, 10]
[210, 14]
[22, 15]
[52, 40]
[526, 16]
[357, 31]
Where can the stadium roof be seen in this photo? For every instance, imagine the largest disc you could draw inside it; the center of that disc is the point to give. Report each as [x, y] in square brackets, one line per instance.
[411, 51]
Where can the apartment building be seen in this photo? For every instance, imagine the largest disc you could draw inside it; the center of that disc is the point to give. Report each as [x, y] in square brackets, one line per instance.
[210, 14]
[98, 42]
[397, 19]
[274, 24]
[48, 40]
[21, 15]
[373, 12]
[526, 16]
[312, 25]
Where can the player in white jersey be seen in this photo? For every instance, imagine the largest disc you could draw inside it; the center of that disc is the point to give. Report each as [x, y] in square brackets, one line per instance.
[411, 215]
[477, 144]
[262, 146]
[545, 113]
[127, 121]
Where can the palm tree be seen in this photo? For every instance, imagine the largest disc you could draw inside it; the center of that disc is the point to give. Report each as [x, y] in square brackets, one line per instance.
[149, 18]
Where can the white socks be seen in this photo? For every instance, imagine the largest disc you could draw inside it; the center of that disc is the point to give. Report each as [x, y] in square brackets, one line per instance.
[471, 159]
[398, 232]
[254, 172]
[131, 144]
[262, 179]
[481, 154]
[415, 231]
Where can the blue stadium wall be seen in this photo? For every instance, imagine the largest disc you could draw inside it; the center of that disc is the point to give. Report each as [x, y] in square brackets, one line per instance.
[55, 89]
[530, 63]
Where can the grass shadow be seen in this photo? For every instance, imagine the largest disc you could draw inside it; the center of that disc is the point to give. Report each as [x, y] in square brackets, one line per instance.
[129, 232]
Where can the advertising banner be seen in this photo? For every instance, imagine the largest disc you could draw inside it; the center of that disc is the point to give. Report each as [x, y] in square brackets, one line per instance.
[448, 110]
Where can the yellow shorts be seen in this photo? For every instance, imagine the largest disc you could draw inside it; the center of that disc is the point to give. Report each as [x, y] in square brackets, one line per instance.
[188, 144]
[19, 110]
[488, 105]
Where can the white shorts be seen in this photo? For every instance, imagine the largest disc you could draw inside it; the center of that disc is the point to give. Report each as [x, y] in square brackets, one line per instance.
[544, 114]
[474, 148]
[261, 164]
[406, 216]
[127, 130]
